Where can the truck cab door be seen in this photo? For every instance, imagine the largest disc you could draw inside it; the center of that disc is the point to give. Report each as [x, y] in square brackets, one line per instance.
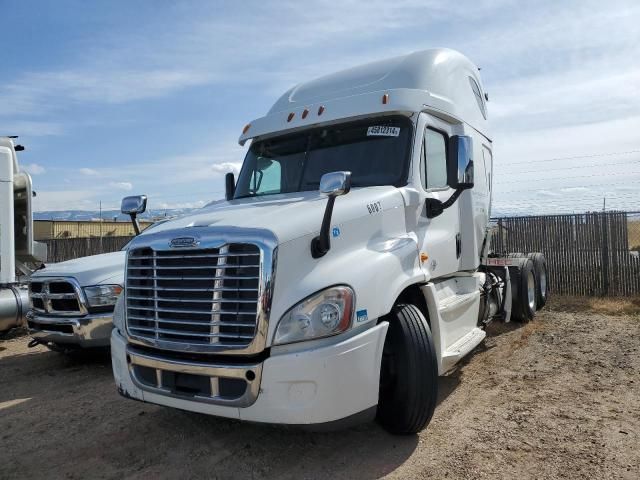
[439, 237]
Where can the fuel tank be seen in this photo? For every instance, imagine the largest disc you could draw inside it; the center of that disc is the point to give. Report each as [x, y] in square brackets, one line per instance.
[14, 305]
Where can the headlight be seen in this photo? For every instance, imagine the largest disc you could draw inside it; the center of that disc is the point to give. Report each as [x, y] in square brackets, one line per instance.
[325, 313]
[118, 314]
[102, 295]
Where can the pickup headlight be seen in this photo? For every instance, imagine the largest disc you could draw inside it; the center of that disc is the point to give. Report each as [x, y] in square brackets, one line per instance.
[323, 314]
[102, 295]
[118, 314]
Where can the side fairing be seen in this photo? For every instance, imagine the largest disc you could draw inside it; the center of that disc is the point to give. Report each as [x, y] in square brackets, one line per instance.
[474, 206]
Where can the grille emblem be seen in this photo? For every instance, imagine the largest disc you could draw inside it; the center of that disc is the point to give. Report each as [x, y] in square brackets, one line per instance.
[183, 242]
[46, 301]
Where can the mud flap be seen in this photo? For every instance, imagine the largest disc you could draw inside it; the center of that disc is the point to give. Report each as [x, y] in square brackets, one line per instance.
[508, 301]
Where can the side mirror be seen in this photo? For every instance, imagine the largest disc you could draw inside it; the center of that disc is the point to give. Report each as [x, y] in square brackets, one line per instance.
[333, 185]
[229, 186]
[460, 162]
[132, 206]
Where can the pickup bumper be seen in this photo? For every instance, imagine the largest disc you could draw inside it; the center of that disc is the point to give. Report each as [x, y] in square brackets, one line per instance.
[87, 331]
[314, 386]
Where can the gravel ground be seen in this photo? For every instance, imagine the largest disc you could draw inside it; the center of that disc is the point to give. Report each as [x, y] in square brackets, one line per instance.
[557, 398]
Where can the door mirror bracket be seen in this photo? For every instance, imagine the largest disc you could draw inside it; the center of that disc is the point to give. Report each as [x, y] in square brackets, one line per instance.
[459, 174]
[333, 185]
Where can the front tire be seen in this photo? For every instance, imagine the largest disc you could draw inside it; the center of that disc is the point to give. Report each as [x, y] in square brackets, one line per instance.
[408, 374]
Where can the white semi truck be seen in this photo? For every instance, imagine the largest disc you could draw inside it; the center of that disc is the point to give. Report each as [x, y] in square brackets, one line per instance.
[19, 254]
[348, 268]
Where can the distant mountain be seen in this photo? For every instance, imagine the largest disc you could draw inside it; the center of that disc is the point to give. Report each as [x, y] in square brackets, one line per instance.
[77, 215]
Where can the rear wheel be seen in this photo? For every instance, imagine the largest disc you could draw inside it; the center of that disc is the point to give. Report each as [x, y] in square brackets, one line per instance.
[408, 374]
[523, 290]
[542, 288]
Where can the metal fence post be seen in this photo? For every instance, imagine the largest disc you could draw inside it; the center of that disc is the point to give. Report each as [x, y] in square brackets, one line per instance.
[605, 254]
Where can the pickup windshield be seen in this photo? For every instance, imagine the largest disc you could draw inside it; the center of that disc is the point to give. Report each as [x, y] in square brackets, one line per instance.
[375, 151]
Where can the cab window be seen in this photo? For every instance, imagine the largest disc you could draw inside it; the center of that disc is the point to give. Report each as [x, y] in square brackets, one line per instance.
[433, 162]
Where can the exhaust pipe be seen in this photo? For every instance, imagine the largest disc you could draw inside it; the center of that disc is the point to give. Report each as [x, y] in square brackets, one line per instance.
[14, 305]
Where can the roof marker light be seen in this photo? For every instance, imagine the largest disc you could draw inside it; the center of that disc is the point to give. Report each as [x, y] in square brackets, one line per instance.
[320, 110]
[246, 128]
[385, 98]
[290, 117]
[305, 112]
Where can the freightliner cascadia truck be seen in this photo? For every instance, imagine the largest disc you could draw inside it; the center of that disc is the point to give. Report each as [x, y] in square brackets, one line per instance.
[346, 271]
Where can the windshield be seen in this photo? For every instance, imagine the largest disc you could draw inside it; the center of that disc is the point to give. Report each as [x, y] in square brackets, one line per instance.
[375, 151]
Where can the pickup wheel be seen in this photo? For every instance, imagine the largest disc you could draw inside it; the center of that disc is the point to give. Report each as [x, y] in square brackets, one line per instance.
[408, 374]
[523, 290]
[542, 285]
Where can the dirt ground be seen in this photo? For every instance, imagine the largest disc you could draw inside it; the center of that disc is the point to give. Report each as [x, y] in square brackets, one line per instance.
[556, 398]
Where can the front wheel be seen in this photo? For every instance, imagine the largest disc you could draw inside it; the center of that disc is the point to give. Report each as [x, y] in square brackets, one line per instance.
[408, 374]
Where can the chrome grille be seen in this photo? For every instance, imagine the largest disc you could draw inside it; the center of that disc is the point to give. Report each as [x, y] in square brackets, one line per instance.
[194, 297]
[56, 297]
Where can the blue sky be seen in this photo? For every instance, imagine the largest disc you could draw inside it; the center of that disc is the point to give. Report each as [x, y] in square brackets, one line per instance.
[115, 98]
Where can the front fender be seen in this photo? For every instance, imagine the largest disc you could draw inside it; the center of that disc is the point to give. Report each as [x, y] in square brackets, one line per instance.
[378, 271]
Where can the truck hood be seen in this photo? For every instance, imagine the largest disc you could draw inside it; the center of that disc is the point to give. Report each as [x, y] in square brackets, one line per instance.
[291, 215]
[93, 270]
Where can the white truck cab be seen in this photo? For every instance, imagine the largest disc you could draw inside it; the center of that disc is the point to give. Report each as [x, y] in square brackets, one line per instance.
[346, 271]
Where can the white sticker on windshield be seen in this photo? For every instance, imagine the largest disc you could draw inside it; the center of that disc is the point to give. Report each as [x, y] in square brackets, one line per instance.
[383, 131]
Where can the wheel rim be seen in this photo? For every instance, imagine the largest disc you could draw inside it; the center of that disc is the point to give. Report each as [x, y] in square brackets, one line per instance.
[531, 291]
[543, 283]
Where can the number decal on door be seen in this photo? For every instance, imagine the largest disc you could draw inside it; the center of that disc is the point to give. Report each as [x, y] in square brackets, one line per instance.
[375, 207]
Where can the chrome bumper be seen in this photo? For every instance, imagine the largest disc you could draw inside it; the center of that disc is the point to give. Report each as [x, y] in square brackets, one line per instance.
[249, 375]
[88, 331]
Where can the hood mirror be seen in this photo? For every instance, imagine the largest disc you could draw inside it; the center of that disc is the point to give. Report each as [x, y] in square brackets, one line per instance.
[132, 206]
[333, 185]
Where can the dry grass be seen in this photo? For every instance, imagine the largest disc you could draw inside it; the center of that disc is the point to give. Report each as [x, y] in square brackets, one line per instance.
[603, 305]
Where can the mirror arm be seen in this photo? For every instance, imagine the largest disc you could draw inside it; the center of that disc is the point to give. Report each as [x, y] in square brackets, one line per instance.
[134, 221]
[321, 244]
[229, 185]
[435, 207]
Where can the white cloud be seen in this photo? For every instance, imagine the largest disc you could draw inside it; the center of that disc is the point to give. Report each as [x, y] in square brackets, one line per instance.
[126, 186]
[89, 172]
[226, 167]
[179, 205]
[65, 200]
[32, 168]
[548, 193]
[30, 128]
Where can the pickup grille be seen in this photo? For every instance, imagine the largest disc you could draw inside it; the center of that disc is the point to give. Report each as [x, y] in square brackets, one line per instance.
[194, 297]
[56, 297]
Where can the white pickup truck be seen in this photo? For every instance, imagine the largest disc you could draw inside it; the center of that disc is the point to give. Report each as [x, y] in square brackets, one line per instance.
[348, 268]
[72, 302]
